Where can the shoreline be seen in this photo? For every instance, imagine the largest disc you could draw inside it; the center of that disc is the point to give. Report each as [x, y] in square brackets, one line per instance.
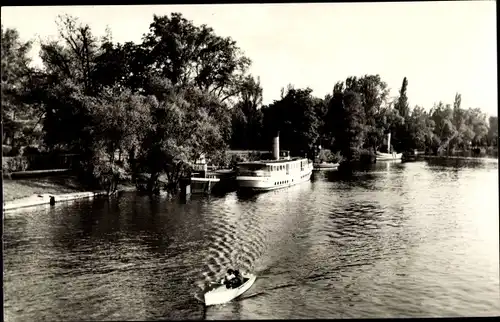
[45, 198]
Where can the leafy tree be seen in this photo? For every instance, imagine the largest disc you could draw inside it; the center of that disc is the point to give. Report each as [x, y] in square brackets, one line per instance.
[15, 78]
[402, 105]
[295, 118]
[419, 129]
[493, 130]
[476, 121]
[189, 55]
[347, 115]
[373, 93]
[459, 119]
[186, 124]
[247, 118]
[75, 58]
[402, 139]
[444, 129]
[321, 111]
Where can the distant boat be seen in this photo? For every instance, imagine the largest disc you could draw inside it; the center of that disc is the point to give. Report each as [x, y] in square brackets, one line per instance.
[281, 172]
[381, 156]
[326, 166]
[388, 156]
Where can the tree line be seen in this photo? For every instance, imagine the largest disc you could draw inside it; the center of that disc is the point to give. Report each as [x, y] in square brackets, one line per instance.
[183, 92]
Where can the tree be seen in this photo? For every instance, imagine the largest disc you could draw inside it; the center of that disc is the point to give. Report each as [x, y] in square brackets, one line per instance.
[75, 57]
[118, 123]
[186, 124]
[15, 78]
[295, 118]
[459, 118]
[247, 117]
[419, 129]
[478, 128]
[493, 130]
[189, 55]
[373, 93]
[321, 111]
[402, 140]
[333, 122]
[402, 105]
[346, 116]
[67, 84]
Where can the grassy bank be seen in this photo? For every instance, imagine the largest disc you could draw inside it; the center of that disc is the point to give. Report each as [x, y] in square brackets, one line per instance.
[22, 188]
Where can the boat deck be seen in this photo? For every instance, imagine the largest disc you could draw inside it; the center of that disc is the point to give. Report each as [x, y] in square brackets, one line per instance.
[272, 161]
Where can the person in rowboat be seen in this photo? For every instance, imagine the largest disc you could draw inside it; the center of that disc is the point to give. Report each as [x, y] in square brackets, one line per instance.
[238, 279]
[229, 278]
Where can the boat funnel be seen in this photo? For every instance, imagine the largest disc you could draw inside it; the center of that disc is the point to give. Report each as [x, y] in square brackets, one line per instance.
[276, 147]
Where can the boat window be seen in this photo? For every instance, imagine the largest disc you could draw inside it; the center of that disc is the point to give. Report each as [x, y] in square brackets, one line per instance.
[252, 167]
[248, 169]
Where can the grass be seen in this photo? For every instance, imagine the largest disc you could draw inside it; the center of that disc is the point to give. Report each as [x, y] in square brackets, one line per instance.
[21, 188]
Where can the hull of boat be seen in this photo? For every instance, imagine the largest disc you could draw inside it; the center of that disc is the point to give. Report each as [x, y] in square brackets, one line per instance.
[326, 166]
[272, 183]
[223, 295]
[388, 156]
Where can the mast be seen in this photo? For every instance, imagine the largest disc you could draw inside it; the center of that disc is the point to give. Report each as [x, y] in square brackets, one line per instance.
[389, 142]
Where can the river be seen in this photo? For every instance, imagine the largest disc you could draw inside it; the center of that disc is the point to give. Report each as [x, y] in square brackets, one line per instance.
[398, 240]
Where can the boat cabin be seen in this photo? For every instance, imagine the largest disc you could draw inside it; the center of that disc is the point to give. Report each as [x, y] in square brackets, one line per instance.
[271, 167]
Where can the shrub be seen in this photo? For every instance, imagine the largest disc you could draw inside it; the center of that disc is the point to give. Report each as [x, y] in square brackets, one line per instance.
[14, 164]
[222, 160]
[6, 150]
[31, 150]
[326, 155]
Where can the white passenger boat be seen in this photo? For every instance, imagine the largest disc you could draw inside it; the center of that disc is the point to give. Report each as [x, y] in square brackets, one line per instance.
[222, 294]
[281, 172]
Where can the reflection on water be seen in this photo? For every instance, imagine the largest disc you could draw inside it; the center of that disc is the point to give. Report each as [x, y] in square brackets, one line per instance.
[396, 240]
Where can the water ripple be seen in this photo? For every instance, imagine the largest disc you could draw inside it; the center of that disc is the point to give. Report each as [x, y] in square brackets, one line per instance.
[401, 240]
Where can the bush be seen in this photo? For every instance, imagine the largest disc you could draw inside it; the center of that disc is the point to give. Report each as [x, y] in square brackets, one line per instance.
[14, 164]
[367, 156]
[12, 151]
[326, 155]
[222, 160]
[236, 158]
[31, 150]
[6, 150]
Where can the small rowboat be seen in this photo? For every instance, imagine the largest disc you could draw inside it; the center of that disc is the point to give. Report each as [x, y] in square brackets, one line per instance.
[222, 294]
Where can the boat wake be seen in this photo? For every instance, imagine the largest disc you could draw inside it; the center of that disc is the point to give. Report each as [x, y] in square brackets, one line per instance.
[244, 297]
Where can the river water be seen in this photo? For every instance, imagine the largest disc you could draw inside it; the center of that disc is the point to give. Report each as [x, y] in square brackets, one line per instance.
[398, 240]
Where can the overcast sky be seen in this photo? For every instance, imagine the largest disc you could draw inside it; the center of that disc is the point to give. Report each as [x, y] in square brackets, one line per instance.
[441, 47]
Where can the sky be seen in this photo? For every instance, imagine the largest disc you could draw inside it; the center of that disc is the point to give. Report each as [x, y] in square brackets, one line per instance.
[442, 47]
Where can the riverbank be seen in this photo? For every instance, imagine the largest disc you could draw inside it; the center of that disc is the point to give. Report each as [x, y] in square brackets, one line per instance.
[23, 193]
[14, 189]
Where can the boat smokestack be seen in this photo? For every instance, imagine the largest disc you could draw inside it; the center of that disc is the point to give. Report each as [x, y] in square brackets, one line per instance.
[276, 146]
